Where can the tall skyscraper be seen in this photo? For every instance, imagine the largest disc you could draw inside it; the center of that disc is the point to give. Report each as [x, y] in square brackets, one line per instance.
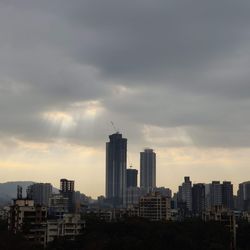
[215, 194]
[148, 169]
[243, 196]
[227, 194]
[116, 164]
[132, 177]
[186, 193]
[198, 199]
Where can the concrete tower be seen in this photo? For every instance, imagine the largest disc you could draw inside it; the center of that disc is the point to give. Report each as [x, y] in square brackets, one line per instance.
[148, 169]
[116, 163]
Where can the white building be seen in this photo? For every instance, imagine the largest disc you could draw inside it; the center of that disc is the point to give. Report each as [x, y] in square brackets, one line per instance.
[69, 226]
[58, 206]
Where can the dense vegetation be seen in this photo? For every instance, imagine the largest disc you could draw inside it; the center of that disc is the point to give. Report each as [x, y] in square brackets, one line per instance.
[243, 236]
[141, 234]
[8, 241]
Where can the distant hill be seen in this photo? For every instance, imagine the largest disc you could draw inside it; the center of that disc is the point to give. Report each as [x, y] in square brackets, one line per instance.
[8, 190]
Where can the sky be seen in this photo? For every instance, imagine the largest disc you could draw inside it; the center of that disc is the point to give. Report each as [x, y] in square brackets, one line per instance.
[172, 75]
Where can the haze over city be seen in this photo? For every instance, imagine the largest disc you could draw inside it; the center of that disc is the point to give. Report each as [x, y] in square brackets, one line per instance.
[172, 76]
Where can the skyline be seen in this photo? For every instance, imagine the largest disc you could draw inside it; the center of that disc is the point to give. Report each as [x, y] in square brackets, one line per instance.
[172, 76]
[173, 188]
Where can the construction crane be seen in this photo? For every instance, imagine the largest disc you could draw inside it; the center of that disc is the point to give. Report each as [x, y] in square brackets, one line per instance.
[115, 129]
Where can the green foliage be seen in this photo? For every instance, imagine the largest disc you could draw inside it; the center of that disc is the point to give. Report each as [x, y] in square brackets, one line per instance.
[3, 225]
[243, 236]
[136, 234]
[9, 241]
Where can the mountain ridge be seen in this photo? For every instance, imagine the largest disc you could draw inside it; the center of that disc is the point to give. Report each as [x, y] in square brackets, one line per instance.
[8, 190]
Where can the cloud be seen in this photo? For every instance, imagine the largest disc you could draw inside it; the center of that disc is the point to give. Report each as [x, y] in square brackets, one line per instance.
[68, 68]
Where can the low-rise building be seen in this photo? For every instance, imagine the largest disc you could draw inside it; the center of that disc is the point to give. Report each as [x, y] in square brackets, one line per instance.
[163, 191]
[220, 214]
[134, 194]
[28, 218]
[58, 206]
[4, 213]
[155, 207]
[224, 216]
[69, 226]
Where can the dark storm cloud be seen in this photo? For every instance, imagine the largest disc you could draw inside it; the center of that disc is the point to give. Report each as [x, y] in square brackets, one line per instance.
[182, 64]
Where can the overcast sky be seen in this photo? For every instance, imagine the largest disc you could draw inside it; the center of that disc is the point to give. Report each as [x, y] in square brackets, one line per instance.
[172, 75]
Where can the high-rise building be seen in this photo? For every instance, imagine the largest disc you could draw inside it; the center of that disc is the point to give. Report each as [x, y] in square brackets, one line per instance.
[207, 196]
[215, 194]
[116, 164]
[198, 199]
[186, 192]
[40, 193]
[67, 185]
[68, 191]
[132, 177]
[227, 194]
[148, 169]
[243, 196]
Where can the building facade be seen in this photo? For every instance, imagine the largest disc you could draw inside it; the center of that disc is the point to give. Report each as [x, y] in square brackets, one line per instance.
[40, 193]
[215, 194]
[69, 226]
[67, 190]
[243, 196]
[186, 193]
[148, 169]
[227, 195]
[163, 191]
[155, 207]
[116, 164]
[198, 199]
[134, 194]
[132, 177]
[58, 206]
[28, 218]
